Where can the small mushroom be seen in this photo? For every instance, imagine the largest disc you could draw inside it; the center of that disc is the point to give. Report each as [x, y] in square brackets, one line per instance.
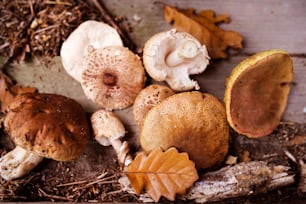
[172, 56]
[42, 125]
[112, 77]
[88, 35]
[148, 98]
[108, 130]
[193, 122]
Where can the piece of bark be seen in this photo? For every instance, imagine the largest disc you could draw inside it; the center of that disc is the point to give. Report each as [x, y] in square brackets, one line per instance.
[240, 180]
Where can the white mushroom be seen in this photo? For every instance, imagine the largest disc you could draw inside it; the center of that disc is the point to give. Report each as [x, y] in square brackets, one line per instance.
[90, 34]
[172, 56]
[108, 130]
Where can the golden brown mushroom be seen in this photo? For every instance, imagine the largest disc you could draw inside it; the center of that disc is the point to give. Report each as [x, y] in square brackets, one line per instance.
[43, 125]
[257, 91]
[148, 98]
[193, 122]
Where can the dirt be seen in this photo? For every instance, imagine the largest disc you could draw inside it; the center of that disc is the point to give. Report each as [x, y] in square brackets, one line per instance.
[94, 176]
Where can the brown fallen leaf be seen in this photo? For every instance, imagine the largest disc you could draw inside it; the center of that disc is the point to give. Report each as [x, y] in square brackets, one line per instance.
[8, 90]
[162, 173]
[203, 26]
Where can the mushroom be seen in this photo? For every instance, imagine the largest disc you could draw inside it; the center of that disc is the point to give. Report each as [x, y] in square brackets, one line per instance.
[256, 92]
[112, 77]
[88, 35]
[42, 125]
[108, 130]
[172, 56]
[148, 98]
[193, 122]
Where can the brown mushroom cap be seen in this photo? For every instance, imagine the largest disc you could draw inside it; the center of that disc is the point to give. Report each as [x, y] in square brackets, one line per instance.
[257, 91]
[148, 98]
[113, 77]
[193, 122]
[50, 125]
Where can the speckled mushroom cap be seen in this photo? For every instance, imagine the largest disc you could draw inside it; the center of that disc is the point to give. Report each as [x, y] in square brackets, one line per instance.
[148, 98]
[193, 122]
[256, 92]
[112, 77]
[52, 126]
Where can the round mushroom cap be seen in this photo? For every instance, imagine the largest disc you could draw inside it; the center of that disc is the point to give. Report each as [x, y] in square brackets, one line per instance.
[52, 126]
[257, 91]
[106, 125]
[112, 77]
[89, 34]
[193, 122]
[148, 98]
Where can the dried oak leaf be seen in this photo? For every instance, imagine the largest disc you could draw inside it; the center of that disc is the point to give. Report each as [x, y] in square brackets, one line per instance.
[162, 173]
[8, 90]
[204, 27]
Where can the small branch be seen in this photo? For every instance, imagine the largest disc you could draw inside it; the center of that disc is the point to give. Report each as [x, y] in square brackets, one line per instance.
[302, 179]
[108, 18]
[240, 180]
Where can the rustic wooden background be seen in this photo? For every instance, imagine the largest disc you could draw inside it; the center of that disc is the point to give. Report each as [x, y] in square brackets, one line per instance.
[264, 24]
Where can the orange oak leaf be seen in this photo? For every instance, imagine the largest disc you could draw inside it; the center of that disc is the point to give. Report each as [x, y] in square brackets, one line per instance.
[8, 90]
[204, 27]
[162, 173]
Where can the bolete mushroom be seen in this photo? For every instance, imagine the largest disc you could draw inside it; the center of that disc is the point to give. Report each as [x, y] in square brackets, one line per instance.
[193, 122]
[172, 56]
[257, 91]
[112, 77]
[148, 98]
[88, 34]
[42, 125]
[108, 130]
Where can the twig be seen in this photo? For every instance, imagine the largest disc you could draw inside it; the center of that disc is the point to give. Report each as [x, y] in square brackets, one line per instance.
[302, 178]
[240, 180]
[44, 194]
[108, 18]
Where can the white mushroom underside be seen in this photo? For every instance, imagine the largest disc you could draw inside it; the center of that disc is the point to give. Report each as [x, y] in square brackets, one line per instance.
[89, 34]
[17, 163]
[172, 56]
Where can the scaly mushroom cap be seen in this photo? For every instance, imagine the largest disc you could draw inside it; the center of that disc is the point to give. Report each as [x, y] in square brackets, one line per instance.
[49, 125]
[148, 98]
[257, 91]
[88, 34]
[106, 125]
[112, 77]
[172, 56]
[193, 122]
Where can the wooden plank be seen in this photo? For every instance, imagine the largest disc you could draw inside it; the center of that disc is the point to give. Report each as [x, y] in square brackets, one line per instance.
[264, 24]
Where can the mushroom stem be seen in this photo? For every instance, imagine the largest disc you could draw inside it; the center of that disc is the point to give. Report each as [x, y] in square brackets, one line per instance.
[187, 50]
[122, 149]
[17, 163]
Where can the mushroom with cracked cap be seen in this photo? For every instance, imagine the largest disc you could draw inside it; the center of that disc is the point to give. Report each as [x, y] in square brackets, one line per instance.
[172, 56]
[90, 34]
[193, 122]
[108, 130]
[148, 98]
[112, 77]
[42, 125]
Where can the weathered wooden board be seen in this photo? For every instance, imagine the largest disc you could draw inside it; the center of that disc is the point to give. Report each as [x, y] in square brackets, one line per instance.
[265, 25]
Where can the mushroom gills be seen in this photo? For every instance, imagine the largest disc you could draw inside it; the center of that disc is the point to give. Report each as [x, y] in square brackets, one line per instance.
[17, 163]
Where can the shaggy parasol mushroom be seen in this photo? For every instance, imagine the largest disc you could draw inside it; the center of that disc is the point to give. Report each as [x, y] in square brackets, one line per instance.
[257, 91]
[172, 56]
[108, 130]
[42, 125]
[148, 98]
[112, 77]
[88, 34]
[193, 122]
